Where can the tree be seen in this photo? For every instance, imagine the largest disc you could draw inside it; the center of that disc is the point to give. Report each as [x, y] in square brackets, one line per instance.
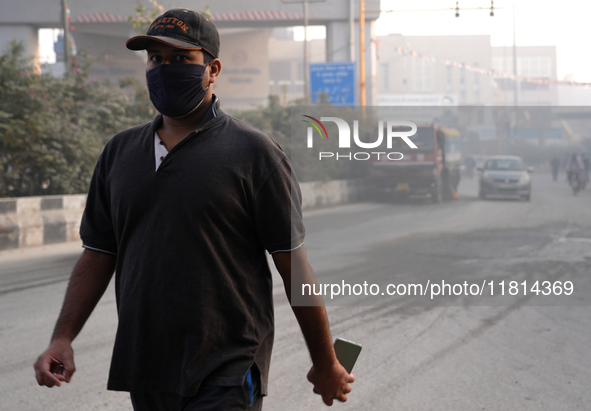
[52, 130]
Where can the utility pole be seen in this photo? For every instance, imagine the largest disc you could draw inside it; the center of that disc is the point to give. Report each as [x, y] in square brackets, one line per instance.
[362, 97]
[66, 27]
[352, 29]
[515, 83]
[306, 57]
[306, 63]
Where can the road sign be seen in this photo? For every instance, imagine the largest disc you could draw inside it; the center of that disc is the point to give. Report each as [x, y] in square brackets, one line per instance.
[336, 80]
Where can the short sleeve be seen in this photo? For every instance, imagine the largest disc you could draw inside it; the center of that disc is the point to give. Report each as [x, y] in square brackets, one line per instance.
[278, 210]
[96, 228]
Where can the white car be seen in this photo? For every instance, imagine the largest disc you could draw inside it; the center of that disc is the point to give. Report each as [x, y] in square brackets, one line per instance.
[505, 176]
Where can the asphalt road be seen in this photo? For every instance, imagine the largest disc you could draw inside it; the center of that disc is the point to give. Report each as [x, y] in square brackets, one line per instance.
[463, 352]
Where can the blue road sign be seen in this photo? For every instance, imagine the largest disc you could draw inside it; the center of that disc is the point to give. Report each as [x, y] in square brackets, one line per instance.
[336, 80]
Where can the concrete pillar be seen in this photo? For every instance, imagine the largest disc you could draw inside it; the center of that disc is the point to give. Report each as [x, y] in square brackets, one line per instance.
[337, 41]
[338, 49]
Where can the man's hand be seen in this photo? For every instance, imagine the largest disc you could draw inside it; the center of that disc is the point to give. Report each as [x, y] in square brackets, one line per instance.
[327, 374]
[88, 282]
[332, 383]
[55, 365]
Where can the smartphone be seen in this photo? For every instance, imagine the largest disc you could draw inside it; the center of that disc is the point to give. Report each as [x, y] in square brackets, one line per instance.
[347, 353]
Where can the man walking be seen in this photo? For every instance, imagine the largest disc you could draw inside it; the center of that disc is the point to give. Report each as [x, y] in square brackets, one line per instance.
[183, 209]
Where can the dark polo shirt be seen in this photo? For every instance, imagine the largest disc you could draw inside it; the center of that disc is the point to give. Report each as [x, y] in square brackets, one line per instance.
[193, 287]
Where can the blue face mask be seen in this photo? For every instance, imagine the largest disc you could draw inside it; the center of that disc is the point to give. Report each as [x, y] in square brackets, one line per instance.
[176, 89]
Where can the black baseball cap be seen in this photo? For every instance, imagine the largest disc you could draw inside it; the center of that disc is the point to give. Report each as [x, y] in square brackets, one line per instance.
[182, 28]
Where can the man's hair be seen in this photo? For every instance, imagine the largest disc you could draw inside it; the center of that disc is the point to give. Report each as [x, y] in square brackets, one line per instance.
[207, 58]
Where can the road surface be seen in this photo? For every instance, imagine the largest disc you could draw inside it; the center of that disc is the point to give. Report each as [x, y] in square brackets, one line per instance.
[461, 353]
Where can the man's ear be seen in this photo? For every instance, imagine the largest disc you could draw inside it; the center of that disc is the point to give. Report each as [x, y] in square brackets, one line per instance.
[215, 67]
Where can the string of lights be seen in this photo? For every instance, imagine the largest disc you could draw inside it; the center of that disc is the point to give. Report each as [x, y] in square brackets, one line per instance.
[455, 9]
[491, 73]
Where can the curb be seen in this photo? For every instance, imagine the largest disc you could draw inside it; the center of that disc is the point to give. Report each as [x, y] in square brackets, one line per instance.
[36, 221]
[332, 193]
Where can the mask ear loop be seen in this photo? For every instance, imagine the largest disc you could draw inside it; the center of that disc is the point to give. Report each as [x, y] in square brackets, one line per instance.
[196, 107]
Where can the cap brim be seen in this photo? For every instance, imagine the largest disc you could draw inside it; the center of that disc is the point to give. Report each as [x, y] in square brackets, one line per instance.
[142, 42]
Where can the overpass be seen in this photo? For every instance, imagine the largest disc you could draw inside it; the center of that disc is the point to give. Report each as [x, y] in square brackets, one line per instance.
[102, 27]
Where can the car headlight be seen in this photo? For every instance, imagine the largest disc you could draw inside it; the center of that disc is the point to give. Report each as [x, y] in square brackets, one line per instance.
[524, 179]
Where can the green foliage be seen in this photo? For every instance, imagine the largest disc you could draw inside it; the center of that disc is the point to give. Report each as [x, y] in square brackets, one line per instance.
[52, 130]
[143, 16]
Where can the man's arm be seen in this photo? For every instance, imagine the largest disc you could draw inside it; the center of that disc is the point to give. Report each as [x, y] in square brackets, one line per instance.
[88, 282]
[327, 374]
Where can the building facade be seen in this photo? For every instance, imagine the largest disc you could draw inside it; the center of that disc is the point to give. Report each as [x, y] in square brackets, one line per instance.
[461, 70]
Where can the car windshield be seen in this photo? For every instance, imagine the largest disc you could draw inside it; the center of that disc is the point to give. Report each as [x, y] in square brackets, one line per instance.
[424, 139]
[504, 164]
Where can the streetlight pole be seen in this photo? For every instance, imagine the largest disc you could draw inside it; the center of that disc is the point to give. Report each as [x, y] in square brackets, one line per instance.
[306, 58]
[306, 73]
[515, 83]
[352, 29]
[66, 25]
[362, 98]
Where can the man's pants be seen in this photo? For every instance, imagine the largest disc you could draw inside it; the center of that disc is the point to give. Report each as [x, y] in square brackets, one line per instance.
[208, 398]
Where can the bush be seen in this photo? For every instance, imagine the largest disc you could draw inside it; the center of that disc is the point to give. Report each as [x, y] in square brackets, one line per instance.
[52, 130]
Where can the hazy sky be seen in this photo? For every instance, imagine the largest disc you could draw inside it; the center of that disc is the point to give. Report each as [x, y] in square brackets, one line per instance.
[565, 24]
